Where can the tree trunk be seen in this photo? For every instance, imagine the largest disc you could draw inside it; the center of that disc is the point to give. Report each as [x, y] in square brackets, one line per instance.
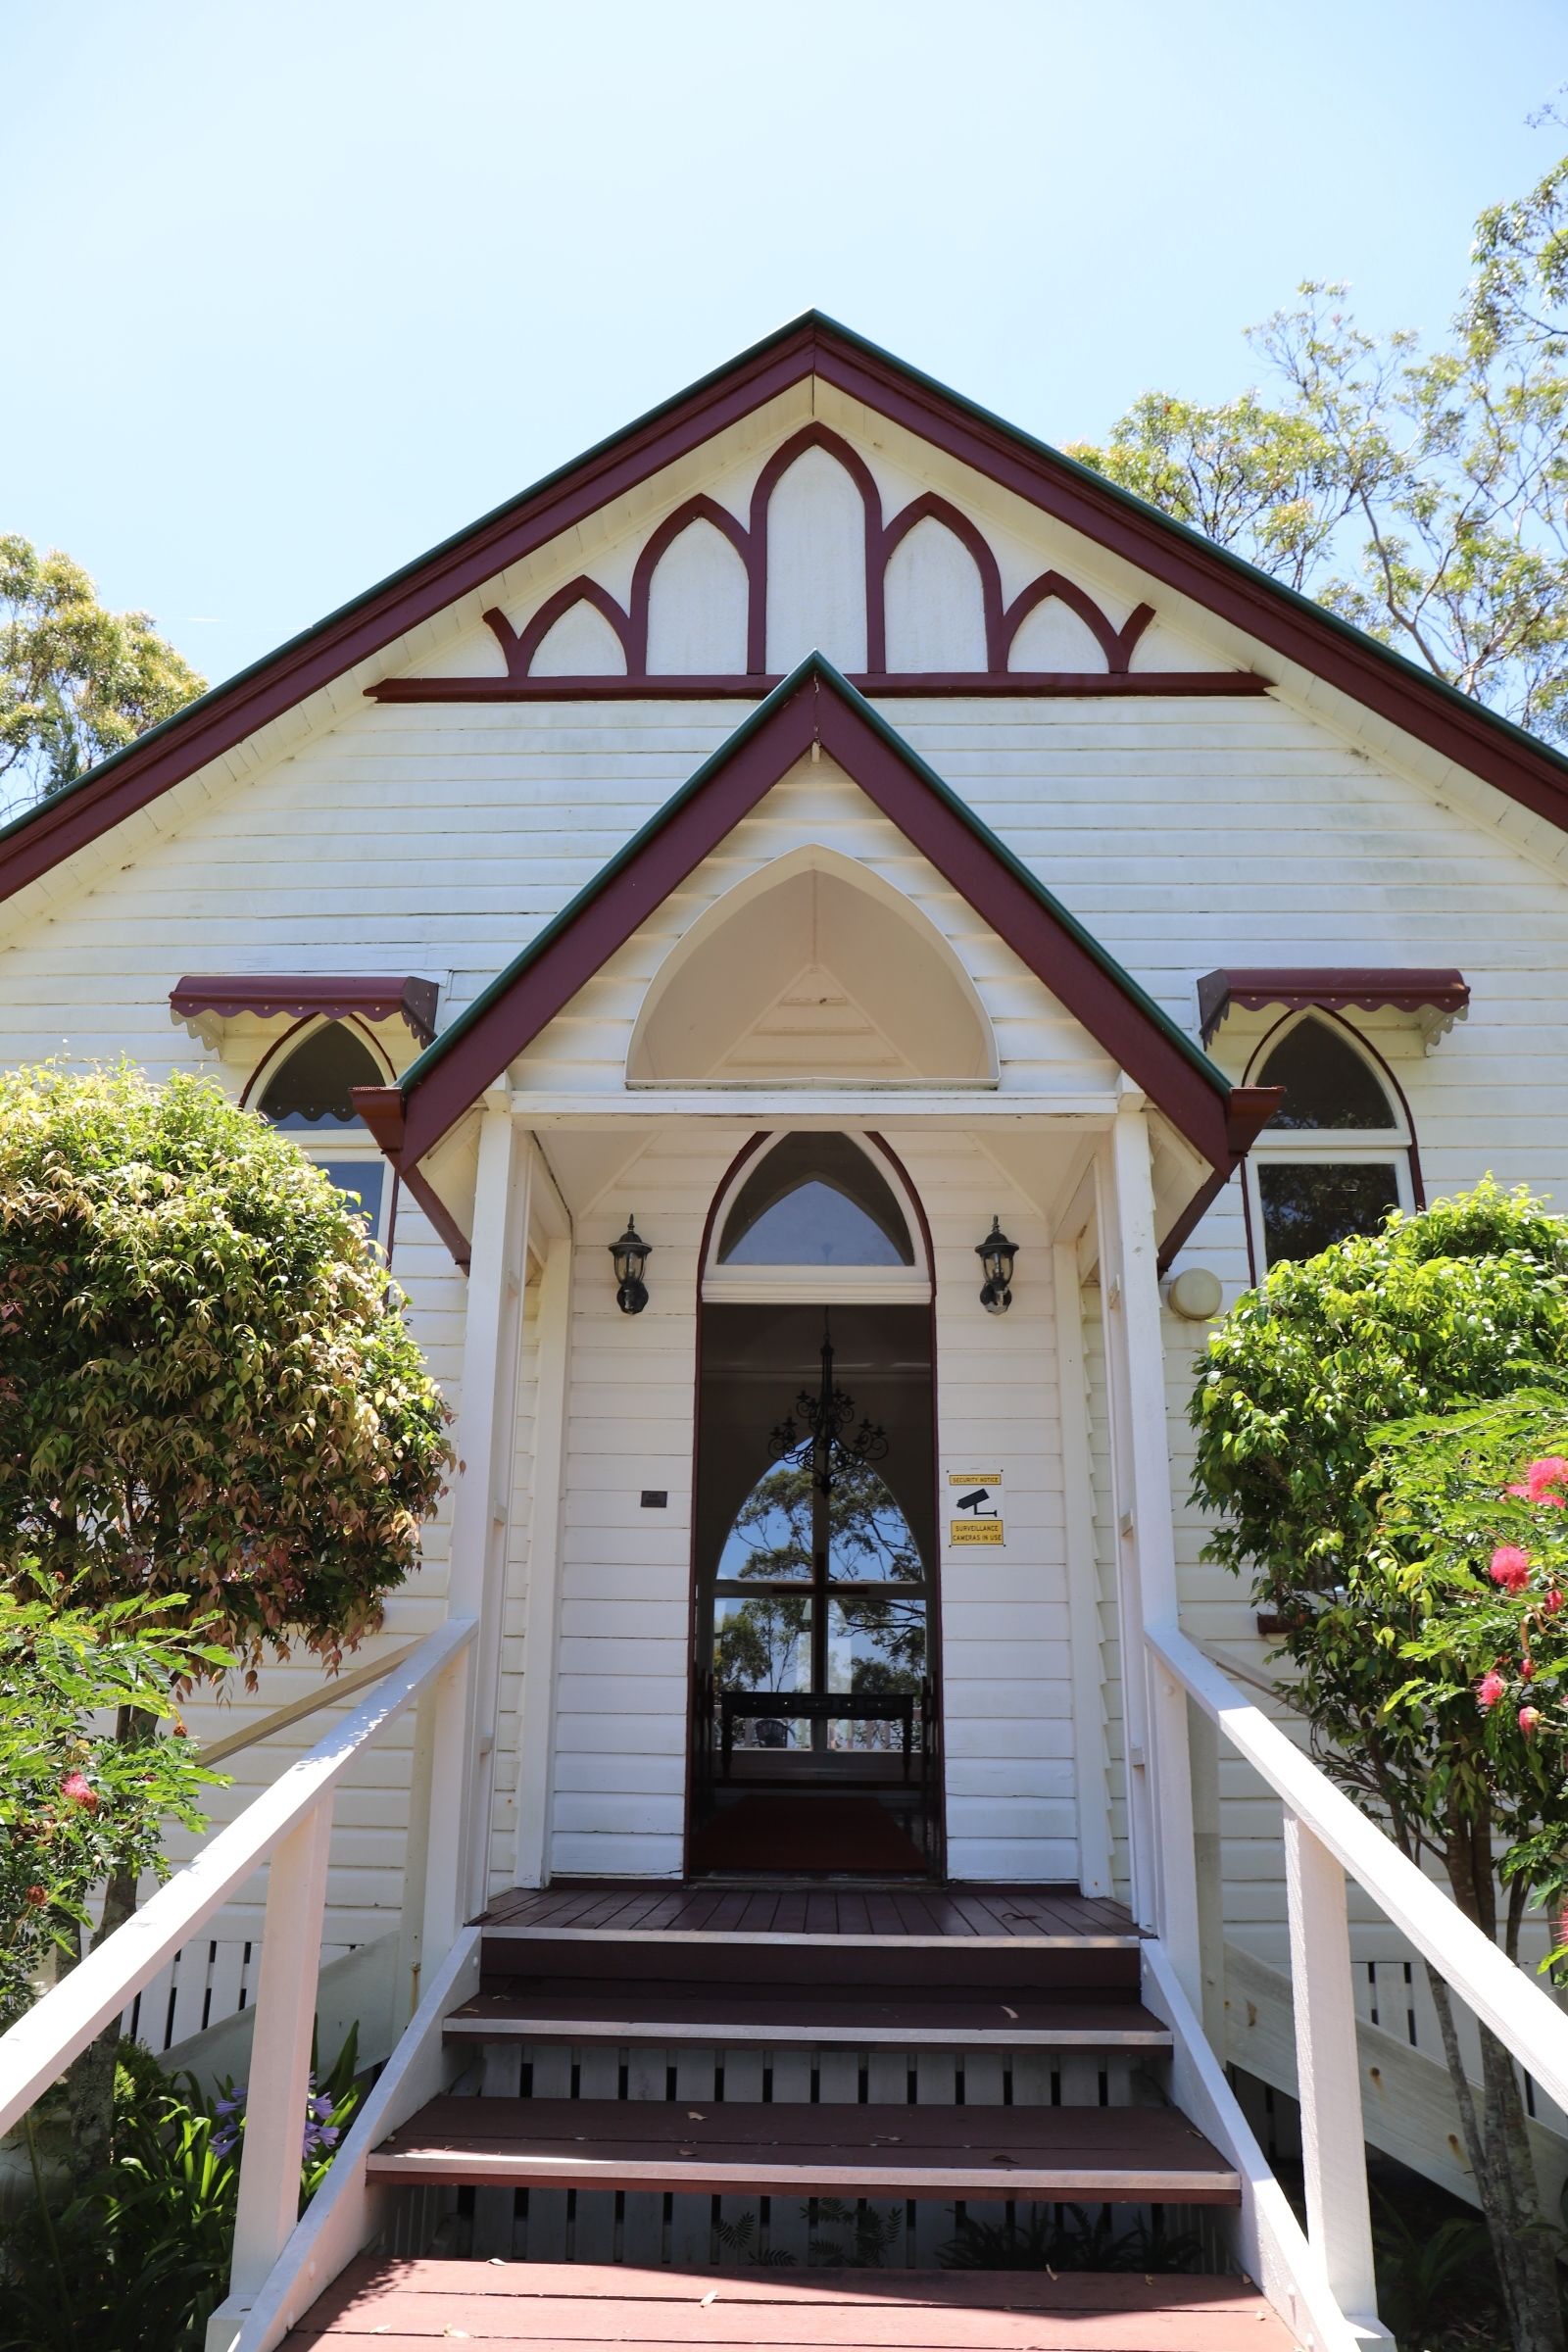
[1496, 2138]
[90, 2076]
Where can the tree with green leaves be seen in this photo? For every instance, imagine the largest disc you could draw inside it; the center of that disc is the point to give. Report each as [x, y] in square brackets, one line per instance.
[210, 1404]
[1422, 495]
[1382, 1431]
[77, 681]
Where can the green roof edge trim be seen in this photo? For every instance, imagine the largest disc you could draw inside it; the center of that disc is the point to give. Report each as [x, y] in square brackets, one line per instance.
[1535, 745]
[818, 668]
[1508, 729]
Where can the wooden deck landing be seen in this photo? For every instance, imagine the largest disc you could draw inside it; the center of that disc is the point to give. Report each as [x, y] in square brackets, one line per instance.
[620, 1906]
[545, 2307]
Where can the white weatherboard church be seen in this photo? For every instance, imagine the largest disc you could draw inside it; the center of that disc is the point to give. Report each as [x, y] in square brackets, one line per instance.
[830, 943]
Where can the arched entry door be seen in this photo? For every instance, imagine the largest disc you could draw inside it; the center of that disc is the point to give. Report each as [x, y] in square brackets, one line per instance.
[814, 1720]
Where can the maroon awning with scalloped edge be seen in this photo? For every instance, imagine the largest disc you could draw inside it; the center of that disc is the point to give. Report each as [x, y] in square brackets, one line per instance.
[1333, 987]
[373, 996]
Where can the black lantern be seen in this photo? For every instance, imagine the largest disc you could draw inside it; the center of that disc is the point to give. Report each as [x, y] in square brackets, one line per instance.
[995, 1255]
[630, 1254]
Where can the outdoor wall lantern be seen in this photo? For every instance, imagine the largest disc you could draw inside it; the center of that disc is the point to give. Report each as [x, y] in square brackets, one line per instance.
[995, 1255]
[631, 1254]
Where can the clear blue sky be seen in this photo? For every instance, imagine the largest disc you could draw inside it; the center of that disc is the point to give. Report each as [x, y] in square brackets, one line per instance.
[297, 289]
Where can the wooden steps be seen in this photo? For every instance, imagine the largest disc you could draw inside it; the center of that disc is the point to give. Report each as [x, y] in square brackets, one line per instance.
[1003, 2015]
[530, 2307]
[1104, 1966]
[1121, 2155]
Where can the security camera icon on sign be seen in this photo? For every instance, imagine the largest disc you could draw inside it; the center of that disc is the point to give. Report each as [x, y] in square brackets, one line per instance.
[973, 1502]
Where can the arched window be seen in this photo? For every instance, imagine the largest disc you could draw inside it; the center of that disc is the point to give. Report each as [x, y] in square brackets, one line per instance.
[1336, 1156]
[310, 1093]
[815, 1200]
[821, 1216]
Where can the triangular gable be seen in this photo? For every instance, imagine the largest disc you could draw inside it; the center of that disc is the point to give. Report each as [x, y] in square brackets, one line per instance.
[814, 704]
[1291, 625]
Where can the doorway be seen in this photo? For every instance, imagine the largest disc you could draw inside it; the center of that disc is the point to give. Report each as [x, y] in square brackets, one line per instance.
[814, 1716]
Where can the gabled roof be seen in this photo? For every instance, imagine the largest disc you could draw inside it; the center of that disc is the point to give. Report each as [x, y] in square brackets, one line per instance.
[1299, 630]
[814, 704]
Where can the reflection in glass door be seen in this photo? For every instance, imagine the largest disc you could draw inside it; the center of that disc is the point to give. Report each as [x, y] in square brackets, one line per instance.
[814, 1535]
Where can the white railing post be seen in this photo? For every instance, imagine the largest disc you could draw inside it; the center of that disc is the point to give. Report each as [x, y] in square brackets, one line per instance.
[1165, 1869]
[1338, 2217]
[482, 1500]
[269, 2202]
[446, 1865]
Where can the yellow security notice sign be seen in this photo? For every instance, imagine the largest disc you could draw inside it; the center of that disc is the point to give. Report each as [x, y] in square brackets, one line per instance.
[976, 1512]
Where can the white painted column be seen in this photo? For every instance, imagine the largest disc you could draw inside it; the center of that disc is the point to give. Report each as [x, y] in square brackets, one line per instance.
[1166, 1877]
[1338, 2220]
[269, 2201]
[542, 1609]
[1089, 1781]
[458, 1872]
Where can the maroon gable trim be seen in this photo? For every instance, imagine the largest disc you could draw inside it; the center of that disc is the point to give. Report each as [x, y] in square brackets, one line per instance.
[374, 996]
[1301, 631]
[1330, 986]
[410, 1119]
[1010, 685]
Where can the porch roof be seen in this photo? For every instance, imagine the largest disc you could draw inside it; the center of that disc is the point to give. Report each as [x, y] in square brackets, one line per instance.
[816, 704]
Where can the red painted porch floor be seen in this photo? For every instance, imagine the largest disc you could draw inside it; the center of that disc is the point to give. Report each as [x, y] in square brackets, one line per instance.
[576, 2307]
[621, 1906]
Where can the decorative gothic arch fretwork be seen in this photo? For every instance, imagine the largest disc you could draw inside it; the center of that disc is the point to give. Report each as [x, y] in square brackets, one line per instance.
[1116, 644]
[881, 539]
[520, 646]
[815, 436]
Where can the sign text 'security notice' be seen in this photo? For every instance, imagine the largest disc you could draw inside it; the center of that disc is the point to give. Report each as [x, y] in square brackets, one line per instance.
[974, 1508]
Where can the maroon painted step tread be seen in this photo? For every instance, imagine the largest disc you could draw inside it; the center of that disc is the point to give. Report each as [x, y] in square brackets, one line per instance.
[397, 2306]
[1001, 2016]
[1129, 2155]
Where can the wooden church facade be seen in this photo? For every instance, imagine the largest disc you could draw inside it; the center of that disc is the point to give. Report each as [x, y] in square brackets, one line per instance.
[817, 836]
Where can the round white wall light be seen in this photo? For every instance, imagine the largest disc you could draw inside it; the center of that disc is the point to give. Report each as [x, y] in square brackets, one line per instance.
[1196, 1294]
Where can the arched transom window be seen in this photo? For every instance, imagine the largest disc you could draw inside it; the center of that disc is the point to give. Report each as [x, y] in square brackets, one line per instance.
[1336, 1156]
[309, 1092]
[820, 1208]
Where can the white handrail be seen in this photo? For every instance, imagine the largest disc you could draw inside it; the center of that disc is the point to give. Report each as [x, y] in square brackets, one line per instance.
[1523, 2017]
[43, 2042]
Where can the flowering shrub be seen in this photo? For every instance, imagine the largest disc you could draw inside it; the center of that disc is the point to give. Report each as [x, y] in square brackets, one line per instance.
[140, 2260]
[329, 2109]
[1380, 1434]
[76, 1801]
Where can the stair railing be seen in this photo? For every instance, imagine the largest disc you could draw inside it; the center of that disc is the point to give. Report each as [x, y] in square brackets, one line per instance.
[289, 1825]
[1327, 1838]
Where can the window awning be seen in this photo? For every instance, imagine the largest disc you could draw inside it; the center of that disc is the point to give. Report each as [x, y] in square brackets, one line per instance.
[1443, 995]
[372, 996]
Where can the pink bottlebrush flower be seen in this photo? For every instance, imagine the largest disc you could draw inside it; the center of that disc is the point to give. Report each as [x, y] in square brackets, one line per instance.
[1510, 1568]
[1489, 1690]
[77, 1789]
[1554, 1600]
[1541, 1477]
[1527, 1670]
[1528, 1721]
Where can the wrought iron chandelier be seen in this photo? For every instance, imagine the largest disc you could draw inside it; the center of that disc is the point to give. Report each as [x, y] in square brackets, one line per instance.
[828, 1443]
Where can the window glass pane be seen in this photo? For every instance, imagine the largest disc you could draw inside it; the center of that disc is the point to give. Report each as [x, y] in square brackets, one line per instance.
[314, 1086]
[363, 1181]
[815, 1200]
[876, 1645]
[1308, 1207]
[870, 1541]
[1326, 1082]
[763, 1642]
